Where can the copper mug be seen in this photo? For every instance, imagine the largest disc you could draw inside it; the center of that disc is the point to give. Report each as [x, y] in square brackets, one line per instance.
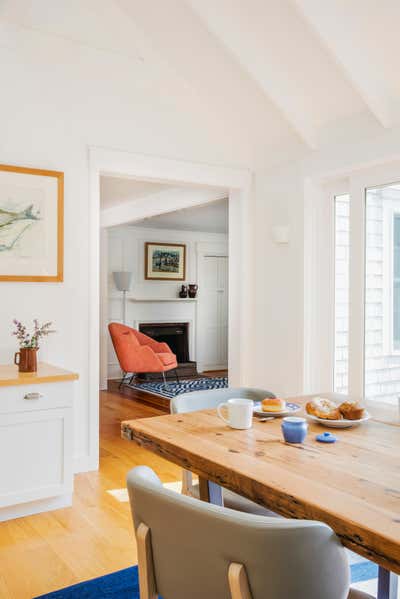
[26, 359]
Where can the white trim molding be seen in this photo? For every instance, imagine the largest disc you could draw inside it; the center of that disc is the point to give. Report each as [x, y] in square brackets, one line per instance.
[239, 183]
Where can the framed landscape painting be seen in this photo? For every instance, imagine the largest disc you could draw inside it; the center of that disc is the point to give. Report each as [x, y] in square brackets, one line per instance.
[165, 261]
[31, 224]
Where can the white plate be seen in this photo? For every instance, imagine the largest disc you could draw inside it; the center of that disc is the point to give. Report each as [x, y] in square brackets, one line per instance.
[291, 408]
[338, 423]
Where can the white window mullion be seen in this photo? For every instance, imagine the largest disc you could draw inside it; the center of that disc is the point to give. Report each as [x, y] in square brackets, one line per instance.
[357, 287]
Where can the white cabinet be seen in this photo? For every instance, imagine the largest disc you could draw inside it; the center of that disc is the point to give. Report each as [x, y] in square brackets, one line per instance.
[35, 443]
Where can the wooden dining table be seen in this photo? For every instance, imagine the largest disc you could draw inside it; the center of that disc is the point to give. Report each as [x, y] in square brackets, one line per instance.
[352, 485]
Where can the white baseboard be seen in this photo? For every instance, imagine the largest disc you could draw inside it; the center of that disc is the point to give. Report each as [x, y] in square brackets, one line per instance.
[35, 507]
[208, 367]
[85, 463]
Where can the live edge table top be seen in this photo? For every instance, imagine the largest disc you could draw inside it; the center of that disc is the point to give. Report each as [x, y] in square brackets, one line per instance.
[353, 485]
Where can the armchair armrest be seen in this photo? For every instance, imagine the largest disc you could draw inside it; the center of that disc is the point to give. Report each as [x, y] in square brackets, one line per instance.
[163, 347]
[157, 346]
[143, 359]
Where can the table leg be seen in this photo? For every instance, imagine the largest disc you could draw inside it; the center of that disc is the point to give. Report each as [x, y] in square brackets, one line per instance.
[210, 492]
[387, 584]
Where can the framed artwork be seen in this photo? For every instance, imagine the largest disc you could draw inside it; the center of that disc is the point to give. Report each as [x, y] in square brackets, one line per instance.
[165, 261]
[31, 224]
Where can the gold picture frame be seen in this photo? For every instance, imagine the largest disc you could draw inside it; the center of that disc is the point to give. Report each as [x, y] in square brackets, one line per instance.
[164, 261]
[31, 224]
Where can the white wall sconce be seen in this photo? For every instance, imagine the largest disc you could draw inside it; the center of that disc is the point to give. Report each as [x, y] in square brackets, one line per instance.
[123, 282]
[280, 234]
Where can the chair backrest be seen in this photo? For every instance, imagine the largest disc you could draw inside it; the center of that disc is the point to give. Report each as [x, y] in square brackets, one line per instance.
[206, 400]
[124, 341]
[193, 544]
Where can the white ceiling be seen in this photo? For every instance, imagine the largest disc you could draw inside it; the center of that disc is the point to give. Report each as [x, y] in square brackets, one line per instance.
[210, 218]
[289, 76]
[115, 190]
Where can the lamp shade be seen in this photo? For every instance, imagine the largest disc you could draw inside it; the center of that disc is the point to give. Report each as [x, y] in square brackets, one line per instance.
[123, 280]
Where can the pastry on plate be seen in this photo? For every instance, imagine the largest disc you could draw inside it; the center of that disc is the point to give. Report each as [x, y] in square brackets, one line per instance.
[351, 410]
[323, 408]
[273, 404]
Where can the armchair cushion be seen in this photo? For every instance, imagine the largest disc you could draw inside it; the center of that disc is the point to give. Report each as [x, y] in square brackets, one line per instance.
[166, 358]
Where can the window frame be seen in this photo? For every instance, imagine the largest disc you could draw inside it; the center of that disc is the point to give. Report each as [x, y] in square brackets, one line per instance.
[390, 212]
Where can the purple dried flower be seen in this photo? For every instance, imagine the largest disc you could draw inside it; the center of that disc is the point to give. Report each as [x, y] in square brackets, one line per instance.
[31, 340]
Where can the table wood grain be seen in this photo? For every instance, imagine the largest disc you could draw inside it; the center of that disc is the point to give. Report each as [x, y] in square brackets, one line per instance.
[352, 485]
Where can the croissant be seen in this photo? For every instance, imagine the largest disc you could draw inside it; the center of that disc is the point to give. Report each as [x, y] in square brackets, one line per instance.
[323, 408]
[351, 410]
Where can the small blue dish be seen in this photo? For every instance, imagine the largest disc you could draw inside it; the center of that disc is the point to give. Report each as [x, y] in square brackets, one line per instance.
[326, 438]
[294, 429]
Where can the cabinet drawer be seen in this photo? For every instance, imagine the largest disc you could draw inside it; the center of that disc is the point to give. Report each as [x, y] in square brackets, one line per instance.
[27, 398]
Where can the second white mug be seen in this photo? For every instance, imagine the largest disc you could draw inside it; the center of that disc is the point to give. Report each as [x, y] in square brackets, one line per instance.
[240, 412]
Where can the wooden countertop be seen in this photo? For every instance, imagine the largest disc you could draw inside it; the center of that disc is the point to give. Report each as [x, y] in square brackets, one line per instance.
[46, 373]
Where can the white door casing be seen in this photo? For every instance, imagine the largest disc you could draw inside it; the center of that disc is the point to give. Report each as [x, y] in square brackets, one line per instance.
[239, 182]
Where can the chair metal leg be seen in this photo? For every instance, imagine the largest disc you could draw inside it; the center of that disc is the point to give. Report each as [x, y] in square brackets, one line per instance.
[132, 378]
[387, 584]
[122, 381]
[177, 375]
[164, 378]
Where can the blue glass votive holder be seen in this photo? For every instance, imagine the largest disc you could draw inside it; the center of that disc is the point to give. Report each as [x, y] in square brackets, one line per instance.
[294, 429]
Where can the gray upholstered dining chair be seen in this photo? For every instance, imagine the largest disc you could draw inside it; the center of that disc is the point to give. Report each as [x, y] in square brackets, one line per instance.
[189, 548]
[203, 400]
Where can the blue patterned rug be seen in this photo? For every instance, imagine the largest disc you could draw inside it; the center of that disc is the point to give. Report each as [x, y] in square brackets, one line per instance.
[124, 584]
[172, 389]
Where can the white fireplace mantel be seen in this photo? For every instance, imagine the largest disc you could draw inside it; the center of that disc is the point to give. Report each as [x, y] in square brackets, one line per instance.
[161, 299]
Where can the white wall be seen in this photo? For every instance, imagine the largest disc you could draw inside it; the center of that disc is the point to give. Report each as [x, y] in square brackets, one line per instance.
[126, 252]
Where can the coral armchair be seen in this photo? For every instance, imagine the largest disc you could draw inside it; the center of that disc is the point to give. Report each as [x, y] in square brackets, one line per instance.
[137, 353]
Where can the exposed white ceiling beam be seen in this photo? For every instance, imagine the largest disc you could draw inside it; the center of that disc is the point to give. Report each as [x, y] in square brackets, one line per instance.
[252, 51]
[159, 203]
[338, 29]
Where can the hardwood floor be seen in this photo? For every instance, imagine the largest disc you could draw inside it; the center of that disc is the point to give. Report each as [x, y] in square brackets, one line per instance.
[45, 552]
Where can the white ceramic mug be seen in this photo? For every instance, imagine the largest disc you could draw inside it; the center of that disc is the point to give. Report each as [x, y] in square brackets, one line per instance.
[240, 412]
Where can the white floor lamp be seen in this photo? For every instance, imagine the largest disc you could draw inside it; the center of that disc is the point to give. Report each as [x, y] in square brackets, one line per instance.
[123, 282]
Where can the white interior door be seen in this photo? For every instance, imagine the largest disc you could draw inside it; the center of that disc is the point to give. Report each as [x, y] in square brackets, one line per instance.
[213, 300]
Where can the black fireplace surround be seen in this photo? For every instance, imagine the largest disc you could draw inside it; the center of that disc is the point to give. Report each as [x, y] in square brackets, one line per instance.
[176, 335]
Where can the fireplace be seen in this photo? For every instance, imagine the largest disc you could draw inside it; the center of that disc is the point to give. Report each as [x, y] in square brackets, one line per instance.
[176, 335]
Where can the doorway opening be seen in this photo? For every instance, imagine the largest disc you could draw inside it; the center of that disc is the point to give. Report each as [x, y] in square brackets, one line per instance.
[176, 270]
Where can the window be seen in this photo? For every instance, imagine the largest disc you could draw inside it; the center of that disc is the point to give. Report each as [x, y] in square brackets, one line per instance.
[396, 283]
[382, 293]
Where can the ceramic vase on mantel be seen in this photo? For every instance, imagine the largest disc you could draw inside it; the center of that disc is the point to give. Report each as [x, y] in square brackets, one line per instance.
[26, 359]
[193, 290]
[183, 292]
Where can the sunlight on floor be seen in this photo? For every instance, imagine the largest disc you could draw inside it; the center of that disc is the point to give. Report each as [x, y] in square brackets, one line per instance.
[121, 495]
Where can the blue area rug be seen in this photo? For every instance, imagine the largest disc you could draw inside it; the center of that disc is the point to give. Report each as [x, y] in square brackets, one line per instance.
[124, 584]
[172, 389]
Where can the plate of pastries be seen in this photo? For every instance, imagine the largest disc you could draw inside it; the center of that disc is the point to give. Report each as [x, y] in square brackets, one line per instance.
[275, 406]
[335, 415]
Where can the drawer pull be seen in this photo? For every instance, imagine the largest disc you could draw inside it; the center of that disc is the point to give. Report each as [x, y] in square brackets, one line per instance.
[33, 395]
